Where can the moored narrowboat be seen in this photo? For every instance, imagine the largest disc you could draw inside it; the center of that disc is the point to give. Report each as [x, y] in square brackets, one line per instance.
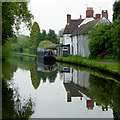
[45, 54]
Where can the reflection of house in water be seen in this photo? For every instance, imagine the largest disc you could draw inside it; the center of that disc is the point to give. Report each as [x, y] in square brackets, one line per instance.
[104, 108]
[90, 104]
[70, 75]
[72, 91]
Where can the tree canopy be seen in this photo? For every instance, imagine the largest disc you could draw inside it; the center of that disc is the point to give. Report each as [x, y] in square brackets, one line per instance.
[13, 13]
[52, 36]
[116, 10]
[33, 37]
[47, 44]
[105, 38]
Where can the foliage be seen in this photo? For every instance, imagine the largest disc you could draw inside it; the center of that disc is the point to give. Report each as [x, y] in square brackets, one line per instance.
[105, 39]
[33, 37]
[115, 33]
[13, 13]
[47, 44]
[6, 49]
[116, 10]
[21, 45]
[52, 36]
[99, 40]
[43, 35]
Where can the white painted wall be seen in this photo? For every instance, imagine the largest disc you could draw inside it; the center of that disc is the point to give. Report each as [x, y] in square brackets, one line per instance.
[83, 48]
[67, 77]
[75, 76]
[74, 43]
[67, 41]
[83, 79]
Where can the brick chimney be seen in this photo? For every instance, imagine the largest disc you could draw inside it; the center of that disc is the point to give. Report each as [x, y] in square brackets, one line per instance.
[105, 14]
[80, 16]
[98, 16]
[89, 12]
[68, 18]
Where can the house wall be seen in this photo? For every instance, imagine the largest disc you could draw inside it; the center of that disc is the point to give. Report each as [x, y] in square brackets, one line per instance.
[67, 41]
[83, 49]
[74, 43]
[83, 79]
[80, 78]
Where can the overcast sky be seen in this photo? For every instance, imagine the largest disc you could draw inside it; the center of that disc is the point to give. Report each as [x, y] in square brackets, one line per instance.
[51, 14]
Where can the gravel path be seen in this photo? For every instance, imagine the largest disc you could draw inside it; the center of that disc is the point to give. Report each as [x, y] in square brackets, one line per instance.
[104, 62]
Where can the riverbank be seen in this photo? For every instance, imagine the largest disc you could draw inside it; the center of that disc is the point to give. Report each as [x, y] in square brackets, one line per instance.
[104, 68]
[26, 54]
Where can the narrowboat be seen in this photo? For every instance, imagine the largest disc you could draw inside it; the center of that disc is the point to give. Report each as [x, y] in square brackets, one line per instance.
[45, 54]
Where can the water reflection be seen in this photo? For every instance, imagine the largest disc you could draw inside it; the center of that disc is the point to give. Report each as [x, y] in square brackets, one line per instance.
[95, 90]
[73, 93]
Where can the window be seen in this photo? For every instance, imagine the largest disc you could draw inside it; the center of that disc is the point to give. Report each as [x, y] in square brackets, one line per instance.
[65, 48]
[65, 68]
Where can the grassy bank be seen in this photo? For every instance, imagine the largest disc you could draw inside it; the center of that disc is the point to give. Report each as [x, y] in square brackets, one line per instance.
[26, 54]
[89, 63]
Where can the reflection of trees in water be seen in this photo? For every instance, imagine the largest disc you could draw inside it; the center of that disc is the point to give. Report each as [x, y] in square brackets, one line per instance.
[106, 92]
[12, 106]
[50, 75]
[34, 76]
[37, 76]
[8, 69]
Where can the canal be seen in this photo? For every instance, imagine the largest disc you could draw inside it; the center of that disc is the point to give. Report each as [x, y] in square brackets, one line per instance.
[33, 89]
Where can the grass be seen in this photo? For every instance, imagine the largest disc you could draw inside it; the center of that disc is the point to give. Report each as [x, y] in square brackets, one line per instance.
[26, 54]
[90, 63]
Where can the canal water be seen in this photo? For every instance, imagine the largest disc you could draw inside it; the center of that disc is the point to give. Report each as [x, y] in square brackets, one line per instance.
[33, 89]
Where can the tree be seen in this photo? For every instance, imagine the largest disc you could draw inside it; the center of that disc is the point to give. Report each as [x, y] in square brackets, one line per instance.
[13, 13]
[115, 33]
[52, 36]
[99, 42]
[21, 45]
[116, 10]
[44, 35]
[33, 37]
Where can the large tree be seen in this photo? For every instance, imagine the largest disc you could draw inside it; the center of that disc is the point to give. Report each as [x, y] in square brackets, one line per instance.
[52, 36]
[13, 13]
[33, 37]
[116, 10]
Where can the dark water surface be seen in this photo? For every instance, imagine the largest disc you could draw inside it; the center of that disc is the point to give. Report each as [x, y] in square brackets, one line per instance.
[33, 89]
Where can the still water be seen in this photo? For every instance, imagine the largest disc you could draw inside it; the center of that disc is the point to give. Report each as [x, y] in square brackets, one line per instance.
[33, 89]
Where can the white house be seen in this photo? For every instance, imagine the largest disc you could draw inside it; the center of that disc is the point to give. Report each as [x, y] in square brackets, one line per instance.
[75, 31]
[70, 27]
